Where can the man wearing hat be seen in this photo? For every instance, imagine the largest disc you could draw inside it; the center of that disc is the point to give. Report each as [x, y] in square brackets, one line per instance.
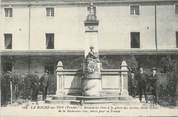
[153, 84]
[142, 84]
[44, 83]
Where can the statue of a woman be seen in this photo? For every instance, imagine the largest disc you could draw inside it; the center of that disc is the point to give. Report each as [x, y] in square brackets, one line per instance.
[91, 53]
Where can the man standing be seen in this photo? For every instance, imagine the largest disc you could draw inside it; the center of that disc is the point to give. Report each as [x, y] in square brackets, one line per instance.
[44, 83]
[5, 88]
[35, 86]
[142, 84]
[27, 86]
[132, 84]
[153, 85]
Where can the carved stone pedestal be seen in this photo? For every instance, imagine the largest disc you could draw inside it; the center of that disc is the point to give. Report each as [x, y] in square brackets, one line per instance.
[91, 87]
[91, 83]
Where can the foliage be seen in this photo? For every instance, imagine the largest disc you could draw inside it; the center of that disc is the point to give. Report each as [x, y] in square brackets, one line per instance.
[132, 63]
[170, 67]
[168, 64]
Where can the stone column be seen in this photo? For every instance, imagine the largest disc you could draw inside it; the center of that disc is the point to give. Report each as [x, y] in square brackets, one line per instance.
[91, 40]
[91, 83]
[91, 29]
[124, 78]
[60, 83]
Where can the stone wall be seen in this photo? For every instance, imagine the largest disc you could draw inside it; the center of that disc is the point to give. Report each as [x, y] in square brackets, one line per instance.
[113, 81]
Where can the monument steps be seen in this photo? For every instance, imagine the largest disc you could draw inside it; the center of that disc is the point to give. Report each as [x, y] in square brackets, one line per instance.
[91, 100]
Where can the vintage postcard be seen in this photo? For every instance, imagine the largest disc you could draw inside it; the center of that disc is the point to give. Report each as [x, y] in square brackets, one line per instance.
[101, 58]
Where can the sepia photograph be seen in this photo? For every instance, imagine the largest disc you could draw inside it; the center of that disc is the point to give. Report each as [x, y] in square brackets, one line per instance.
[88, 58]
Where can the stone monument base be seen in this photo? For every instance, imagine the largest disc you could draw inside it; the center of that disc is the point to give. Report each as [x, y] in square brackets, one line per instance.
[91, 87]
[80, 100]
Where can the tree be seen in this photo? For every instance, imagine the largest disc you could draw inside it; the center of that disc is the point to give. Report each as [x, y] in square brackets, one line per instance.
[132, 63]
[170, 67]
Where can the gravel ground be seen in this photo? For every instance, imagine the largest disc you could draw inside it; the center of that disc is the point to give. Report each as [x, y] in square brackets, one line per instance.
[23, 108]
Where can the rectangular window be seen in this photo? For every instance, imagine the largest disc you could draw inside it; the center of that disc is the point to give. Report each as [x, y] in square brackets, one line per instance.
[177, 39]
[8, 12]
[49, 40]
[135, 39]
[176, 9]
[134, 10]
[49, 11]
[8, 41]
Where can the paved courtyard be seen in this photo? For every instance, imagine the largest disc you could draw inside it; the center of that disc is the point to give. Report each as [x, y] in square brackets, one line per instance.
[40, 108]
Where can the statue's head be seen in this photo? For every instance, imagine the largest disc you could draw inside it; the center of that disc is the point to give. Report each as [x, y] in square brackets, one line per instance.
[91, 47]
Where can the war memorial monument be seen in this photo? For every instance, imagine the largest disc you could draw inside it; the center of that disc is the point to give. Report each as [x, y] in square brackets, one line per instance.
[91, 83]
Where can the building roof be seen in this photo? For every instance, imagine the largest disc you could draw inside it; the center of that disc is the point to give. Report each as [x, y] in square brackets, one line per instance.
[81, 52]
[83, 1]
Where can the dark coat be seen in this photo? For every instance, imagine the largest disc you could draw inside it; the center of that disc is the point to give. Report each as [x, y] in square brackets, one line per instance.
[5, 83]
[132, 81]
[34, 81]
[141, 80]
[44, 81]
[153, 81]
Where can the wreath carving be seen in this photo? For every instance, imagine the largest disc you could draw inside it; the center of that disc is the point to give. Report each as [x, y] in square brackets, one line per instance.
[92, 66]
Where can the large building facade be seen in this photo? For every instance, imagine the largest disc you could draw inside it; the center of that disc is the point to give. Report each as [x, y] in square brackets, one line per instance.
[36, 34]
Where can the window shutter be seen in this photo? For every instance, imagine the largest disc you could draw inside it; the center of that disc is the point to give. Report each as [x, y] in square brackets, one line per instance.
[137, 10]
[52, 11]
[132, 10]
[176, 9]
[177, 39]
